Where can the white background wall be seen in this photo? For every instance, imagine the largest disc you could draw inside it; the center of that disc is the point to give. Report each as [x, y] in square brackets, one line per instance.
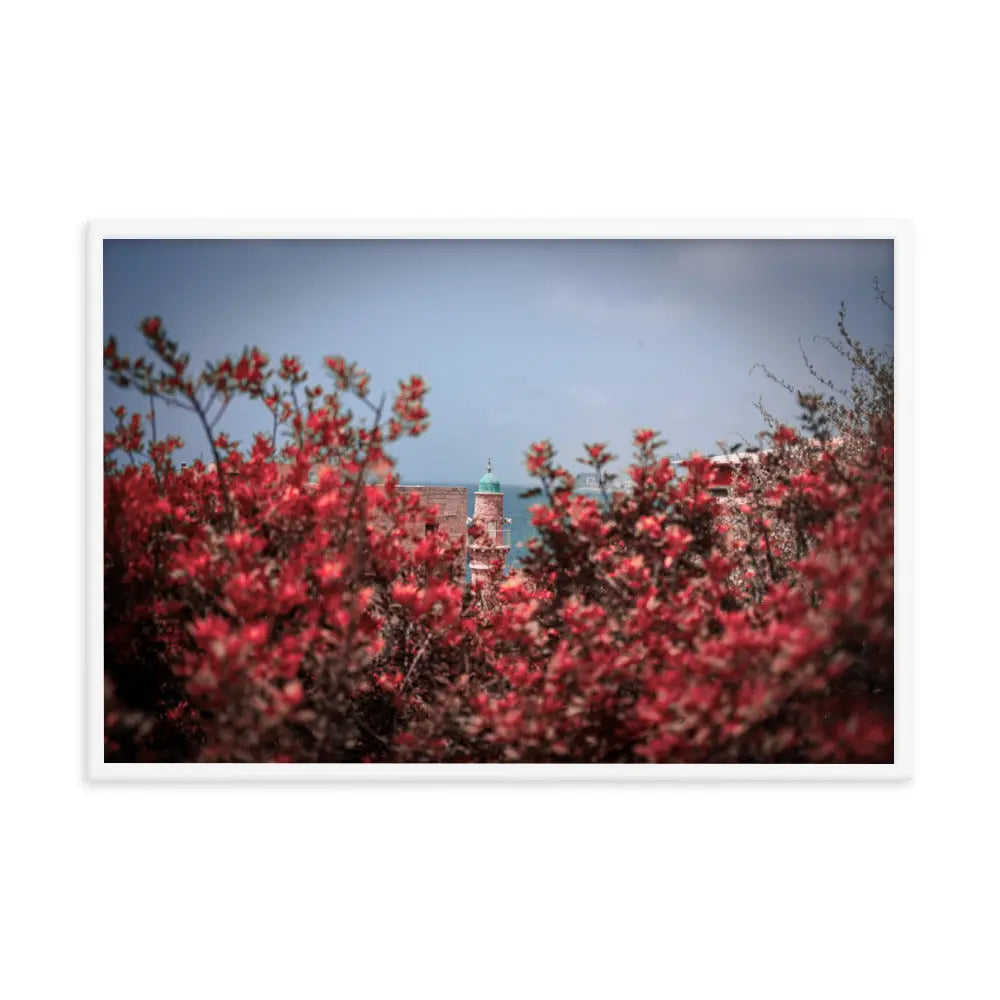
[451, 109]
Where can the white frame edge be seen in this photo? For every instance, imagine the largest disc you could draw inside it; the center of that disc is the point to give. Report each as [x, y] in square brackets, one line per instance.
[901, 232]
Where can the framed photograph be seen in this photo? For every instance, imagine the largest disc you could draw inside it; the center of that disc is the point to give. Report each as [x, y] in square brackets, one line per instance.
[472, 500]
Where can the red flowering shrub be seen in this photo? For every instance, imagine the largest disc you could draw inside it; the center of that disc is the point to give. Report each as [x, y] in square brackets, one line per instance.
[278, 606]
[252, 613]
[648, 643]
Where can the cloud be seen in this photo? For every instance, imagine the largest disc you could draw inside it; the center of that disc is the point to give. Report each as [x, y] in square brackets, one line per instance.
[591, 396]
[602, 310]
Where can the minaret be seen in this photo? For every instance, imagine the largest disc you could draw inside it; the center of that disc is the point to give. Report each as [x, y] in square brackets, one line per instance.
[488, 511]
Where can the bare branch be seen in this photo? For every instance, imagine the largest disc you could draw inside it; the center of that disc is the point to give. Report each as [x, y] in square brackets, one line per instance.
[881, 295]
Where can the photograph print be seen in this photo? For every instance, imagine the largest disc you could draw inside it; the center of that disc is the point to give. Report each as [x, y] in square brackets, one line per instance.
[387, 504]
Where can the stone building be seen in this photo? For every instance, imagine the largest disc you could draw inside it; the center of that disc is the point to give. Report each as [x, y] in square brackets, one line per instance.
[452, 504]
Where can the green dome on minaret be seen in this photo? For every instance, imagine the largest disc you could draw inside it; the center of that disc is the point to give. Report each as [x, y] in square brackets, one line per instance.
[489, 483]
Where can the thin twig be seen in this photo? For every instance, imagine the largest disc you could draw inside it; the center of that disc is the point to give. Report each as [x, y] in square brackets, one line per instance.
[417, 658]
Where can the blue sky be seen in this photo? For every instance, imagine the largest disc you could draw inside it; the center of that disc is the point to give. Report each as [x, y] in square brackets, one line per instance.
[573, 340]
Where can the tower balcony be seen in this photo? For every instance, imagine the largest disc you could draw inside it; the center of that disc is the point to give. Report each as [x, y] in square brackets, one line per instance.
[493, 537]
